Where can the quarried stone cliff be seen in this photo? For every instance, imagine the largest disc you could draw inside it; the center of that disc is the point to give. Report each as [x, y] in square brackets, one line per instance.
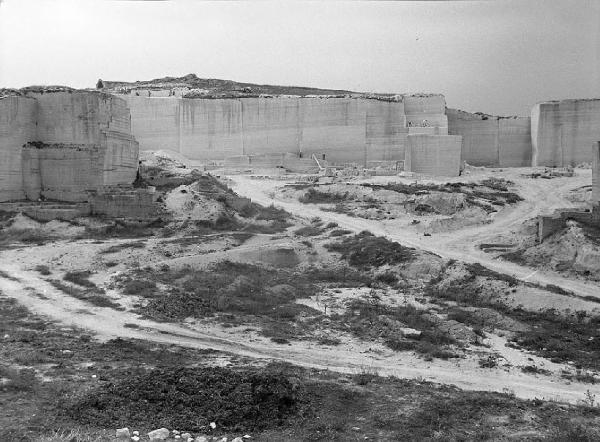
[63, 145]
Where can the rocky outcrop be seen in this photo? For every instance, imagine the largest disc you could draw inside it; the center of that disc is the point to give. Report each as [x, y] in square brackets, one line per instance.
[490, 140]
[562, 132]
[63, 145]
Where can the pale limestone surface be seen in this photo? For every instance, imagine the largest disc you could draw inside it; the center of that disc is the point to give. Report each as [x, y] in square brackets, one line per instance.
[344, 129]
[79, 141]
[17, 126]
[596, 173]
[563, 131]
[492, 141]
[437, 155]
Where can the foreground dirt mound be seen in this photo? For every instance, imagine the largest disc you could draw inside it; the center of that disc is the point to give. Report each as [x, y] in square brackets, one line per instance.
[191, 398]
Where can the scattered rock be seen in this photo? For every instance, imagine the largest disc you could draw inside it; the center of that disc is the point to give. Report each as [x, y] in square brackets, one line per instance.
[123, 433]
[201, 439]
[160, 434]
[238, 439]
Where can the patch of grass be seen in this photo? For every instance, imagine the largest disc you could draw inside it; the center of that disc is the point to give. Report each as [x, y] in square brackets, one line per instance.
[92, 295]
[191, 398]
[124, 246]
[555, 336]
[139, 287]
[534, 369]
[5, 275]
[23, 379]
[43, 270]
[25, 236]
[340, 232]
[370, 319]
[272, 213]
[366, 250]
[308, 231]
[271, 228]
[313, 196]
[80, 277]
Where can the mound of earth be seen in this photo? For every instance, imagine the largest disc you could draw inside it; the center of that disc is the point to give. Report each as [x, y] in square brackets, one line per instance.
[573, 249]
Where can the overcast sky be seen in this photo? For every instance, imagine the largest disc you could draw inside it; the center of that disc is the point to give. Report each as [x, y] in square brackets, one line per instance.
[492, 56]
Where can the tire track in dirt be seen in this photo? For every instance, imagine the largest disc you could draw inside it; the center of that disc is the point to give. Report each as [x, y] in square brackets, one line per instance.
[24, 286]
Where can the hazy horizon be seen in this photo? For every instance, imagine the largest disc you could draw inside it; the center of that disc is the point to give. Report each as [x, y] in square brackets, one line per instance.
[495, 57]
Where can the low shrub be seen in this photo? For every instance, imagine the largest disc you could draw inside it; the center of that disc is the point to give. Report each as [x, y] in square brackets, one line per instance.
[191, 398]
[366, 250]
[313, 196]
[80, 277]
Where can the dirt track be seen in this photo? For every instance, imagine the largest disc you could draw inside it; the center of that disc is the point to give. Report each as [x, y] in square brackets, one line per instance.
[541, 196]
[26, 286]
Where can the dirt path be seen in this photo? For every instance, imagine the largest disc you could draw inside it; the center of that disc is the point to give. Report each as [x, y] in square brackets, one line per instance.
[42, 298]
[461, 245]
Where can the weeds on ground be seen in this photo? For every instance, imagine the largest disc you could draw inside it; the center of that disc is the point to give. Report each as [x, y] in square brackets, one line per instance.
[124, 246]
[366, 250]
[43, 270]
[93, 295]
[370, 319]
[308, 231]
[313, 196]
[80, 277]
[558, 337]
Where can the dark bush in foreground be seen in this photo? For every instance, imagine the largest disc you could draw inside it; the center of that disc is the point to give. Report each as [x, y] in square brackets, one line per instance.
[367, 250]
[191, 398]
[313, 196]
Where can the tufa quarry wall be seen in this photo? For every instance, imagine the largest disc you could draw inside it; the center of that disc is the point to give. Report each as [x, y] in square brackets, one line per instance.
[63, 145]
[563, 131]
[433, 154]
[340, 130]
[490, 140]
[596, 174]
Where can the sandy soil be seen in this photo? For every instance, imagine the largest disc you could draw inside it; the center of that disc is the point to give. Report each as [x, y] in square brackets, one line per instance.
[18, 280]
[540, 197]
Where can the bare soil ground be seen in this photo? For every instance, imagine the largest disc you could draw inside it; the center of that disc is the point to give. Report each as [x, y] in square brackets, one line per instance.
[361, 298]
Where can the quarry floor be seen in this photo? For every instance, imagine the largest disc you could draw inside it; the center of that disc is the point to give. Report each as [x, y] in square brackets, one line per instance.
[20, 281]
[541, 196]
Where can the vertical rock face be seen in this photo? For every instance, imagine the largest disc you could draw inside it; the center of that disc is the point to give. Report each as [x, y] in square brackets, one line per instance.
[433, 154]
[63, 145]
[17, 126]
[430, 109]
[492, 141]
[344, 129]
[596, 173]
[562, 131]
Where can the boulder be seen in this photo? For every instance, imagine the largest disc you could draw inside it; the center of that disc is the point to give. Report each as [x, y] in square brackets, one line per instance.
[201, 439]
[123, 433]
[160, 434]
